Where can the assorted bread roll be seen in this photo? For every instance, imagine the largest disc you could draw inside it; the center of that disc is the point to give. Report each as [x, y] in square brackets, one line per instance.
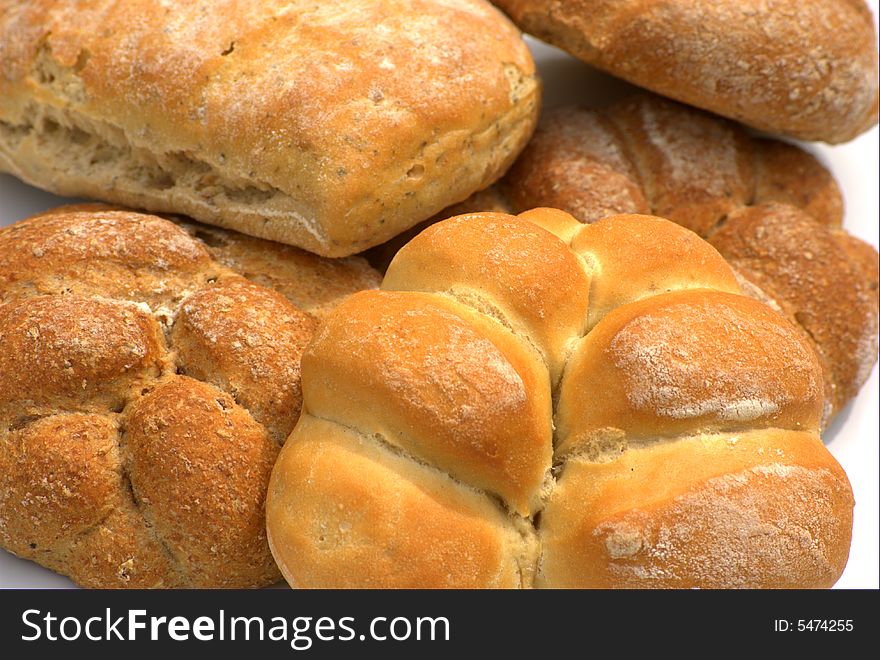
[534, 402]
[331, 126]
[583, 395]
[145, 389]
[807, 69]
[771, 209]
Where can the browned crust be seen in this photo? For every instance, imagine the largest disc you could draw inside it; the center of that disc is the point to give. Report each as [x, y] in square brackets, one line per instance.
[806, 69]
[786, 174]
[671, 152]
[199, 466]
[668, 259]
[66, 504]
[685, 407]
[589, 169]
[115, 470]
[75, 352]
[330, 126]
[482, 275]
[338, 501]
[450, 386]
[863, 256]
[701, 171]
[239, 336]
[656, 368]
[812, 277]
[309, 282]
[704, 512]
[488, 200]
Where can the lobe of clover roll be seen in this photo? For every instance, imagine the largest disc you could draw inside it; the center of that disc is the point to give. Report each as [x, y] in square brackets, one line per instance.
[501, 270]
[685, 362]
[344, 512]
[439, 381]
[767, 508]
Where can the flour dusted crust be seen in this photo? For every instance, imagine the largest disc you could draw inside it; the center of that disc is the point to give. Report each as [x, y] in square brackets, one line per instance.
[701, 512]
[145, 389]
[331, 126]
[807, 69]
[771, 209]
[660, 429]
[815, 280]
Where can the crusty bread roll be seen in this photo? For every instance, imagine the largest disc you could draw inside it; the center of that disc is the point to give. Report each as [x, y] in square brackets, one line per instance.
[534, 402]
[144, 391]
[807, 69]
[772, 210]
[331, 126]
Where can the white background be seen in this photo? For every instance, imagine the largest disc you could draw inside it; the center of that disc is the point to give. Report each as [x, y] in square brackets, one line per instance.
[853, 438]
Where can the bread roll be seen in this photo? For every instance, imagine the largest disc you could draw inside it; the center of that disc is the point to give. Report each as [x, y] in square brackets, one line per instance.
[807, 69]
[329, 126]
[145, 389]
[770, 208]
[533, 402]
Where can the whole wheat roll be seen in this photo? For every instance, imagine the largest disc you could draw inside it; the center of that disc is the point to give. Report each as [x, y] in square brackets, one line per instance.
[769, 207]
[145, 389]
[806, 69]
[462, 428]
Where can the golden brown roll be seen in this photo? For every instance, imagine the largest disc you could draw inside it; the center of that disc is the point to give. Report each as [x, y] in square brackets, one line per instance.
[331, 126]
[807, 69]
[534, 402]
[771, 209]
[145, 389]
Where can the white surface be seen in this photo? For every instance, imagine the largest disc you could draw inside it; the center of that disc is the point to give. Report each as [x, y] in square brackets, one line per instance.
[853, 439]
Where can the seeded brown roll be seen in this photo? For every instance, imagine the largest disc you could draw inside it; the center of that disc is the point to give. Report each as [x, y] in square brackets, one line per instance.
[534, 402]
[145, 389]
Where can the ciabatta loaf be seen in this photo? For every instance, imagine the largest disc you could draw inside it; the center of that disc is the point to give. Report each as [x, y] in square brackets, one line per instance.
[331, 126]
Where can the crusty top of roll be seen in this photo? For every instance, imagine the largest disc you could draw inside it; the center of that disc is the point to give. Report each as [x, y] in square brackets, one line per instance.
[144, 391]
[807, 69]
[771, 209]
[332, 126]
[567, 410]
